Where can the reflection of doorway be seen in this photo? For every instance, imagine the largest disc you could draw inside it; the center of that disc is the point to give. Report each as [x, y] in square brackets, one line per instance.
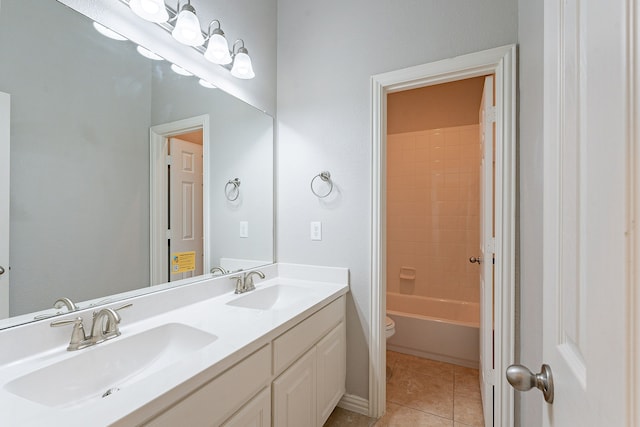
[178, 209]
[501, 62]
[185, 237]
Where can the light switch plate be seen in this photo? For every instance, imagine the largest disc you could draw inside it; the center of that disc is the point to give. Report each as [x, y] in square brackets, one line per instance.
[316, 230]
[244, 229]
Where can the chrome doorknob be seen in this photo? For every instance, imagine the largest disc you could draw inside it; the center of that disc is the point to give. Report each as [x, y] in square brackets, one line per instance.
[474, 260]
[1, 270]
[522, 379]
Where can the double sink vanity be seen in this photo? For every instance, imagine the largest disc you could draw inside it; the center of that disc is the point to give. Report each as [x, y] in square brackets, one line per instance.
[198, 354]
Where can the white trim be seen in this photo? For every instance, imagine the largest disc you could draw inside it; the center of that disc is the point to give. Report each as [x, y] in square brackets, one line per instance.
[5, 153]
[500, 61]
[354, 403]
[633, 214]
[158, 192]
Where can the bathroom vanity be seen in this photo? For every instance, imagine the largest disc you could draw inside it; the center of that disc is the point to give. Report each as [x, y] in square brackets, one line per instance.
[193, 355]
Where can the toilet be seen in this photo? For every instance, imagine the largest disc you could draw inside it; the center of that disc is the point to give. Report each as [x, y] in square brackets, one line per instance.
[390, 327]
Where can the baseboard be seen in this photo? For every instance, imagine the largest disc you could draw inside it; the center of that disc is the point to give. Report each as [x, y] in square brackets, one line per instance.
[354, 403]
[433, 356]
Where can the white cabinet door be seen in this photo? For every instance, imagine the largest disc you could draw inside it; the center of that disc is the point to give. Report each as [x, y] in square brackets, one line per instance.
[586, 324]
[256, 413]
[4, 203]
[332, 368]
[294, 394]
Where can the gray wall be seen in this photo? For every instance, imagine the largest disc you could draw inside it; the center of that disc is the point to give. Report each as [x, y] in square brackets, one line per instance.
[530, 165]
[241, 139]
[327, 52]
[79, 163]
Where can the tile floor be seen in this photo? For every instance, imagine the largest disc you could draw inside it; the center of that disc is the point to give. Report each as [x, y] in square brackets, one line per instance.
[422, 392]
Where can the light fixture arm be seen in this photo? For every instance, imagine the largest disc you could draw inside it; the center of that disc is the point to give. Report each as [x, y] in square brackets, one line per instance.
[217, 30]
[179, 9]
[240, 49]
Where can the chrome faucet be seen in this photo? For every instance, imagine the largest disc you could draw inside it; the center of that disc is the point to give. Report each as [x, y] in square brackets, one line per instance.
[104, 327]
[220, 270]
[65, 302]
[244, 283]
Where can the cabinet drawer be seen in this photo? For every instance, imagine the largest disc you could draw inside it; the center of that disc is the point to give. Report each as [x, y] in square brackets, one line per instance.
[297, 340]
[217, 400]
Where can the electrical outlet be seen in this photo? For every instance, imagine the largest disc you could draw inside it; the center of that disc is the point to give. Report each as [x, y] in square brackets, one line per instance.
[316, 230]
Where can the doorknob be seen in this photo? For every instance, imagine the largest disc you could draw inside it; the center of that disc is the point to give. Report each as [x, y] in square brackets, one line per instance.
[474, 260]
[522, 379]
[1, 270]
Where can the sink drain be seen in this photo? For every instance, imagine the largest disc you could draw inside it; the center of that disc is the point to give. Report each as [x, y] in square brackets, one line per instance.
[110, 391]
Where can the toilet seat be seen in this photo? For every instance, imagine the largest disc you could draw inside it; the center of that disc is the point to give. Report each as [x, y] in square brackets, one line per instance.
[390, 327]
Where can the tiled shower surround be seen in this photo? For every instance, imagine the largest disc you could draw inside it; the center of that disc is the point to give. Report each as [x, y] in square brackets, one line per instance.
[433, 207]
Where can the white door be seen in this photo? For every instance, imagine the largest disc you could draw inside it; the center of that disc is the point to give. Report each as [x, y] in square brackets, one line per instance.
[585, 326]
[5, 110]
[487, 119]
[185, 206]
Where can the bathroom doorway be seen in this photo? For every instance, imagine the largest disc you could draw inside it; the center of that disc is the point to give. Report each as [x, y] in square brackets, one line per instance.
[179, 199]
[434, 223]
[499, 62]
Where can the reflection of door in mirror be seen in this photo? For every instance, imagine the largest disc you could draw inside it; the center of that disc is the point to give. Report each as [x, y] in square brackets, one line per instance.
[185, 238]
[4, 204]
[179, 199]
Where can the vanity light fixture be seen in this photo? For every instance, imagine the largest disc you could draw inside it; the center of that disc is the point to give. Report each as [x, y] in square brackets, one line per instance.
[148, 54]
[217, 48]
[107, 32]
[150, 10]
[179, 70]
[187, 30]
[206, 84]
[242, 67]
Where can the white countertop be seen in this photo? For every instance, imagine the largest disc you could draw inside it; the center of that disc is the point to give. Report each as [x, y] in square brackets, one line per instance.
[239, 331]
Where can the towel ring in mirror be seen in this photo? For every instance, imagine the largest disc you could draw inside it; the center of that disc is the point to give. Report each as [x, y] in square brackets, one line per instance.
[324, 176]
[232, 189]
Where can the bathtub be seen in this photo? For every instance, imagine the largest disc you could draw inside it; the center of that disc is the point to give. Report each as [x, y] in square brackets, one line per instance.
[437, 329]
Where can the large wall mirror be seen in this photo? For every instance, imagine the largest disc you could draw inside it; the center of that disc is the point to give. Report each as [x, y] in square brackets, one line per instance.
[124, 174]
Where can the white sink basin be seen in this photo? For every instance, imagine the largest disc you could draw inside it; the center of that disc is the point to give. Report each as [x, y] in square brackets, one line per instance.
[109, 366]
[275, 297]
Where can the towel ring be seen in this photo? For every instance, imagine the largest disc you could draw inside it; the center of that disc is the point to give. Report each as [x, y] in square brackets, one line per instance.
[326, 177]
[236, 188]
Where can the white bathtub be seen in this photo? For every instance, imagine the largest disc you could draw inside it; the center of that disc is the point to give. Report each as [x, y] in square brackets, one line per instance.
[436, 329]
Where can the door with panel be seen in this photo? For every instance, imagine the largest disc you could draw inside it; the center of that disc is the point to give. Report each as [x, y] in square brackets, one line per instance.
[185, 209]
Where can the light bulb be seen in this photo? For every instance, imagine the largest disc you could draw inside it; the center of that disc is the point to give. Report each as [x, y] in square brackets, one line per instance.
[187, 30]
[206, 84]
[218, 49]
[242, 68]
[107, 32]
[179, 70]
[148, 54]
[150, 10]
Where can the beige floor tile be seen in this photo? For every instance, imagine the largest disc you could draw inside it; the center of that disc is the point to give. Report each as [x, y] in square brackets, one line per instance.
[424, 366]
[467, 408]
[343, 418]
[420, 391]
[466, 379]
[401, 416]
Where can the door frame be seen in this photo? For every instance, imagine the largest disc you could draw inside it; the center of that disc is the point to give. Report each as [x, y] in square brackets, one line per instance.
[158, 185]
[500, 61]
[5, 192]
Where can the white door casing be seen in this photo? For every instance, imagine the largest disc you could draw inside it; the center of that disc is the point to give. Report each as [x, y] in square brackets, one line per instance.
[501, 62]
[185, 207]
[589, 291]
[5, 151]
[158, 141]
[487, 373]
